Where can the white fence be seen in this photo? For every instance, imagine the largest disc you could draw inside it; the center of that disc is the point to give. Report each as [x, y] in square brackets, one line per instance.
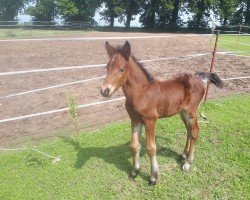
[44, 25]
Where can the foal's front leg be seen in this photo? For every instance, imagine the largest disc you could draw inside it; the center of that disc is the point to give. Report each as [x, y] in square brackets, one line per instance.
[151, 148]
[136, 147]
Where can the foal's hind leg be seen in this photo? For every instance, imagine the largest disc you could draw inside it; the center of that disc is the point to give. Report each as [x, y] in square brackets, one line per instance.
[136, 147]
[193, 132]
[186, 149]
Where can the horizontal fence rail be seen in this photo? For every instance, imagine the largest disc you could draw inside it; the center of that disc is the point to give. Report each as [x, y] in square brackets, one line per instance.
[59, 110]
[85, 105]
[85, 38]
[94, 66]
[51, 87]
[45, 25]
[102, 65]
[101, 77]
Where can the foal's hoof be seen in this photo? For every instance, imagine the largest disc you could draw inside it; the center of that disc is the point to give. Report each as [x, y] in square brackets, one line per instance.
[186, 167]
[134, 174]
[153, 179]
[152, 182]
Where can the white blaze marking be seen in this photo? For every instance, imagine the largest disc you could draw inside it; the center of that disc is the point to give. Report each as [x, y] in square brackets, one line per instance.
[111, 88]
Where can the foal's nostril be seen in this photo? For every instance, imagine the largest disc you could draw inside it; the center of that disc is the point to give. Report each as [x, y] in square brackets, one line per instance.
[101, 92]
[105, 92]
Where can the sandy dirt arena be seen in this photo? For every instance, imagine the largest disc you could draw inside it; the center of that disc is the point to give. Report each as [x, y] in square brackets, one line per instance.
[29, 55]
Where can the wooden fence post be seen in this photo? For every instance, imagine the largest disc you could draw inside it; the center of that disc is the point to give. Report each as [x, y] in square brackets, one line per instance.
[213, 59]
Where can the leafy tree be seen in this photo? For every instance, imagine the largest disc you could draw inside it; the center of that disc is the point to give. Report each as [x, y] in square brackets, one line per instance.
[10, 8]
[77, 10]
[161, 13]
[113, 9]
[167, 14]
[201, 10]
[130, 8]
[226, 8]
[242, 15]
[149, 12]
[247, 14]
[175, 12]
[154, 13]
[44, 10]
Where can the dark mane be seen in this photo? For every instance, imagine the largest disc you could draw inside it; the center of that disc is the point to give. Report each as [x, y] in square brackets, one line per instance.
[148, 75]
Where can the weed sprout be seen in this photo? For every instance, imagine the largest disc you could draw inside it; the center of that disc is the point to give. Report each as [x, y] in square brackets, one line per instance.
[72, 104]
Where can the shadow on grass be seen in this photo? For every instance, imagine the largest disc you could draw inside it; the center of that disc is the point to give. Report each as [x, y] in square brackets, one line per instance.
[116, 155]
[166, 151]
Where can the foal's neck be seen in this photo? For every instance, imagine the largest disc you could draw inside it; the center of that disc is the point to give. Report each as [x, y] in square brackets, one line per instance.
[136, 81]
[136, 76]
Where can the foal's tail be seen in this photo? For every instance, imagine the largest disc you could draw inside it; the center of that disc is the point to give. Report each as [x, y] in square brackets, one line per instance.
[210, 77]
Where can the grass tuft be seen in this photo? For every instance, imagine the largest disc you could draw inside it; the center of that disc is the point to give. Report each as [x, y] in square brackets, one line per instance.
[72, 104]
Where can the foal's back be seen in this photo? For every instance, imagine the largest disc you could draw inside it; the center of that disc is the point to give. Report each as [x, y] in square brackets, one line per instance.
[183, 91]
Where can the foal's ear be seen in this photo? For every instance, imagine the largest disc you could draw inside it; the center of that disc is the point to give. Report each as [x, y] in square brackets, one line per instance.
[126, 50]
[110, 50]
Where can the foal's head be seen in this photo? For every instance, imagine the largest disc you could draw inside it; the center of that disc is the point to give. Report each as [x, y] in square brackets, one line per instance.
[117, 68]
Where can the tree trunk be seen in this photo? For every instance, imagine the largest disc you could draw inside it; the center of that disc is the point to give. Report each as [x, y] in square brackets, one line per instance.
[152, 17]
[129, 16]
[152, 20]
[225, 21]
[247, 20]
[175, 13]
[112, 21]
[201, 10]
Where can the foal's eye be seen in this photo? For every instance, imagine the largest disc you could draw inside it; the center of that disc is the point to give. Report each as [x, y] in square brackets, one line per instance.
[122, 69]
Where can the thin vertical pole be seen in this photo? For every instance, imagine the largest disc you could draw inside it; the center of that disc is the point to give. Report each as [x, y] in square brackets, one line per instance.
[212, 33]
[213, 59]
[238, 38]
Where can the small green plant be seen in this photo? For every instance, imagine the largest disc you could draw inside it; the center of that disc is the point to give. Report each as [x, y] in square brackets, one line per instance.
[72, 104]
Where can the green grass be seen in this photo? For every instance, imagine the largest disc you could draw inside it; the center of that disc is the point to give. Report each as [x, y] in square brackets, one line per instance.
[25, 33]
[229, 43]
[99, 169]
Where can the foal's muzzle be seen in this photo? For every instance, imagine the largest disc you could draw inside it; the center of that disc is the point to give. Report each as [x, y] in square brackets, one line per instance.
[105, 92]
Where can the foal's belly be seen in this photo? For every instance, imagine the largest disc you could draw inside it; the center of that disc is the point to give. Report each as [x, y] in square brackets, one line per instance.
[168, 111]
[167, 114]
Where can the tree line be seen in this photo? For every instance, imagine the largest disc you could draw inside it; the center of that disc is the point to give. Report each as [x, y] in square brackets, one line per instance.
[194, 14]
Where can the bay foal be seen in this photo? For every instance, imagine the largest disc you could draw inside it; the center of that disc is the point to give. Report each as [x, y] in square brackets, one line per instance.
[148, 99]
